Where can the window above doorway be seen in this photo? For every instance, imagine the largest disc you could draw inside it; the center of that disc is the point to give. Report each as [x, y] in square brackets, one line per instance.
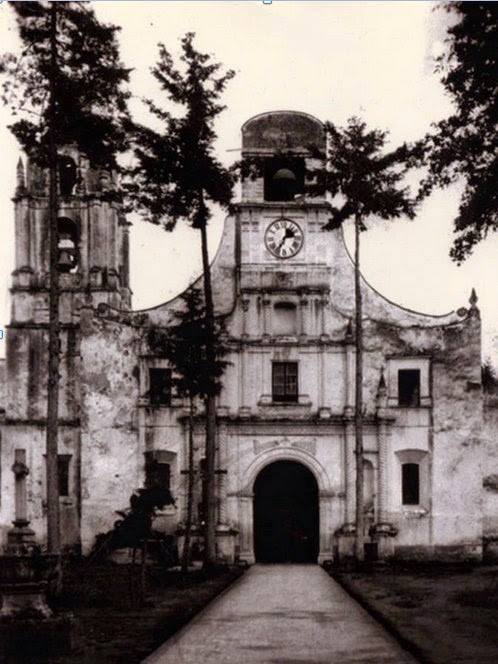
[285, 382]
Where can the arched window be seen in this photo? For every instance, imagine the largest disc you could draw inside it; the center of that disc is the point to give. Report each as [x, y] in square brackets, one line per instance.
[410, 483]
[284, 320]
[68, 260]
[414, 487]
[67, 175]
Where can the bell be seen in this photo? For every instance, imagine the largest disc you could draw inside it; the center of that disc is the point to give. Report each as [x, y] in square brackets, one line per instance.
[66, 260]
[285, 174]
[285, 184]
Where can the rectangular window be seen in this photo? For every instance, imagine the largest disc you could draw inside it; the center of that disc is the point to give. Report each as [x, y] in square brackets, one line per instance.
[410, 483]
[63, 462]
[284, 382]
[157, 474]
[409, 387]
[160, 387]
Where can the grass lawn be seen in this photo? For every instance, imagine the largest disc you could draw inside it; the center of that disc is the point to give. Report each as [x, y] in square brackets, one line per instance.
[447, 615]
[113, 628]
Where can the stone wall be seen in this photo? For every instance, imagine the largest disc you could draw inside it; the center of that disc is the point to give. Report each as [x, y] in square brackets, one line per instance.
[112, 465]
[490, 476]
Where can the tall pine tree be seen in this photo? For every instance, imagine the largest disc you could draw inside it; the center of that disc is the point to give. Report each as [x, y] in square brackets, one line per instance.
[465, 145]
[91, 95]
[175, 178]
[67, 87]
[185, 345]
[368, 183]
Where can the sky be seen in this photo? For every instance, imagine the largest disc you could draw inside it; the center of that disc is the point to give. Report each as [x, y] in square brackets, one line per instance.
[330, 59]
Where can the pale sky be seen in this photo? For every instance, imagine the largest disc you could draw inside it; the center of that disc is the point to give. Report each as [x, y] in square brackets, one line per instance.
[330, 59]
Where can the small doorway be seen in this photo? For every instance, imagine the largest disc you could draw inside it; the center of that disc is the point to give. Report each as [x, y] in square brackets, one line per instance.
[286, 521]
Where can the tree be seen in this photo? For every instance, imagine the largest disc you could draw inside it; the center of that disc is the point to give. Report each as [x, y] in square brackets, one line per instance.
[489, 379]
[67, 88]
[175, 177]
[185, 346]
[90, 108]
[465, 145]
[369, 183]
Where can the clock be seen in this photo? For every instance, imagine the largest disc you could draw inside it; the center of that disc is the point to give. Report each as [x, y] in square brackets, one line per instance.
[284, 238]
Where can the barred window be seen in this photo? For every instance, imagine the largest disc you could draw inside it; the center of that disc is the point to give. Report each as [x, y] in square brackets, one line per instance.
[284, 382]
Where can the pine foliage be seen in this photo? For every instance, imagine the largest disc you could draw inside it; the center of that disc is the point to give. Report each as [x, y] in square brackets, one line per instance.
[176, 169]
[185, 344]
[362, 176]
[91, 95]
[465, 145]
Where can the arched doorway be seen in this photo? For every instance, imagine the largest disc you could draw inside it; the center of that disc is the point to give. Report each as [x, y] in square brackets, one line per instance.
[286, 518]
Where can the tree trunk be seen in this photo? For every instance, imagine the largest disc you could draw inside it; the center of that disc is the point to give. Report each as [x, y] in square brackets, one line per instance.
[210, 402]
[190, 488]
[358, 414]
[53, 529]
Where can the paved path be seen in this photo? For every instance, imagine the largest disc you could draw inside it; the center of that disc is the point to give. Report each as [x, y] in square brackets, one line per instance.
[282, 614]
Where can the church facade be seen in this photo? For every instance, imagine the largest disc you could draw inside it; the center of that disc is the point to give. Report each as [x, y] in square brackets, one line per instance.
[285, 451]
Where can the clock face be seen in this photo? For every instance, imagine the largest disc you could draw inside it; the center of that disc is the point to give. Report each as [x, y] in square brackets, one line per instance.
[284, 238]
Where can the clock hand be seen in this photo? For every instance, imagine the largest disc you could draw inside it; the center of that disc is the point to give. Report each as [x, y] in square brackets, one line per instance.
[287, 235]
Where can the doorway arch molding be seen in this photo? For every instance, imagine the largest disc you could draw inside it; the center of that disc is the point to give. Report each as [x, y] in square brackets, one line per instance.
[246, 494]
[287, 454]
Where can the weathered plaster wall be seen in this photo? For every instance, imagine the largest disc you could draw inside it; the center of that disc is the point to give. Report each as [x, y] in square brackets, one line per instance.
[112, 465]
[3, 383]
[490, 467]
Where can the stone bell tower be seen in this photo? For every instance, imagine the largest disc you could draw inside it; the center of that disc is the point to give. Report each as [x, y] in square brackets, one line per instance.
[93, 238]
[94, 270]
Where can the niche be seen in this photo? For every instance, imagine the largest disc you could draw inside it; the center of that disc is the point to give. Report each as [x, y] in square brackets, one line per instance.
[284, 320]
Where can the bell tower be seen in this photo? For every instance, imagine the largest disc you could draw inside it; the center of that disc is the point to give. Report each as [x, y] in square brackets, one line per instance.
[93, 270]
[93, 238]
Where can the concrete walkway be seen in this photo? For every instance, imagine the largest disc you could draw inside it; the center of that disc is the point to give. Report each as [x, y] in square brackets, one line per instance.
[282, 614]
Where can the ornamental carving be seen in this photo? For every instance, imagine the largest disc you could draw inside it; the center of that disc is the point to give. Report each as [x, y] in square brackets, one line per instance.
[307, 445]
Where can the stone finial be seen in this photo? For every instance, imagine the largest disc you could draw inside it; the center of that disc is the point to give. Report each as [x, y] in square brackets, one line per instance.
[473, 310]
[20, 177]
[382, 390]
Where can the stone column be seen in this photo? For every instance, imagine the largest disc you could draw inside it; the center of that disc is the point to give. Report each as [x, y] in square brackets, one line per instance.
[266, 302]
[350, 473]
[325, 547]
[323, 323]
[245, 309]
[246, 528]
[222, 473]
[303, 310]
[21, 533]
[22, 235]
[350, 371]
[384, 531]
[382, 472]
